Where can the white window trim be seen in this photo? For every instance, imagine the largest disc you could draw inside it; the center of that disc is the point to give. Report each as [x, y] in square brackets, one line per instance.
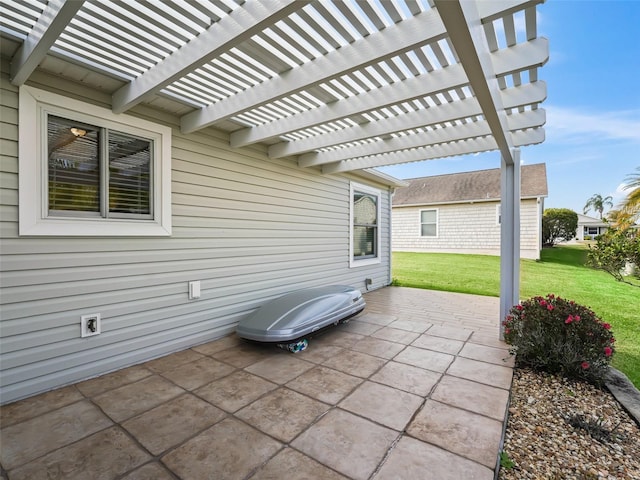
[32, 172]
[498, 213]
[437, 210]
[353, 187]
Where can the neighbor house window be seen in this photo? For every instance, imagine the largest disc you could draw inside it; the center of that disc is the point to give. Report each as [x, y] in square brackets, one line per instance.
[498, 214]
[86, 171]
[429, 223]
[365, 226]
[591, 230]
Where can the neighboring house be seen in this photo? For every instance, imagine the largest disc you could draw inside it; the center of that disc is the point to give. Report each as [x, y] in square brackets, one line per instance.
[589, 227]
[460, 213]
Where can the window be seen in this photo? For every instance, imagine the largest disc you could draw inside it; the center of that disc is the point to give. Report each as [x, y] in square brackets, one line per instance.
[88, 172]
[365, 231]
[591, 231]
[498, 214]
[429, 223]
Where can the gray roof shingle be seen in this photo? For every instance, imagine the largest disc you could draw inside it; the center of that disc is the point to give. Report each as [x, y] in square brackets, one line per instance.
[481, 185]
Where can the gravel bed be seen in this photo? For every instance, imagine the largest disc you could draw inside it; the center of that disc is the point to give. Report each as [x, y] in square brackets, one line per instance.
[551, 429]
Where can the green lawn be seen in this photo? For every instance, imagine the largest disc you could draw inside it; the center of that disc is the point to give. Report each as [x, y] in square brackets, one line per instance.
[561, 271]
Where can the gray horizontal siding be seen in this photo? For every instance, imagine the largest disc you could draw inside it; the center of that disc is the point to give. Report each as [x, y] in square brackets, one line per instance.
[247, 227]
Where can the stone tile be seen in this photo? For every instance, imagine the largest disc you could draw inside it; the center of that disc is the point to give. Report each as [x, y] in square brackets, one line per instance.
[495, 375]
[172, 422]
[292, 465]
[172, 361]
[438, 344]
[468, 434]
[230, 450]
[488, 339]
[377, 318]
[477, 397]
[396, 335]
[362, 328]
[407, 377]
[246, 354]
[318, 352]
[419, 357]
[488, 354]
[24, 441]
[347, 443]
[282, 413]
[196, 374]
[382, 404]
[150, 471]
[339, 337]
[410, 326]
[280, 369]
[355, 363]
[218, 345]
[378, 347]
[454, 333]
[130, 400]
[101, 384]
[103, 456]
[235, 391]
[325, 384]
[412, 458]
[37, 405]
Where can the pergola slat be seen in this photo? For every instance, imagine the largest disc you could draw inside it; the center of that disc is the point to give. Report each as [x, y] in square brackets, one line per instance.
[231, 30]
[504, 61]
[52, 22]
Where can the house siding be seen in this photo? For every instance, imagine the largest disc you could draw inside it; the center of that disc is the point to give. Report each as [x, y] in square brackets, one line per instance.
[247, 227]
[464, 228]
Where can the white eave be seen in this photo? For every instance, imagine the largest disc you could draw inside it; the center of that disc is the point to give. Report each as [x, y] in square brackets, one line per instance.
[337, 85]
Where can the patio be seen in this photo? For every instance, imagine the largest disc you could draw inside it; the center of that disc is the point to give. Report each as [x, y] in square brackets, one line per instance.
[415, 387]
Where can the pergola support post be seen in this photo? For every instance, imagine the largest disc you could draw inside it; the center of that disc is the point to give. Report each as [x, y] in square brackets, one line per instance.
[509, 236]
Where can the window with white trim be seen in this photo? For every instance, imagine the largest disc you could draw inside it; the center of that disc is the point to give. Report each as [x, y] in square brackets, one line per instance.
[364, 225]
[498, 214]
[429, 223]
[85, 171]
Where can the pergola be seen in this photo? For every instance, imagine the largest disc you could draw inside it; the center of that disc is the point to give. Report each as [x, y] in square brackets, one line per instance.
[340, 85]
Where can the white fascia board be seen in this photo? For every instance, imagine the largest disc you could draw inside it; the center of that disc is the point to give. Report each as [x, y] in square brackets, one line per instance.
[516, 121]
[512, 97]
[432, 152]
[52, 22]
[467, 36]
[386, 44]
[372, 174]
[238, 26]
[505, 61]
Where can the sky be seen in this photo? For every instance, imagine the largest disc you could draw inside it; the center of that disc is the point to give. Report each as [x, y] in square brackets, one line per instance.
[593, 105]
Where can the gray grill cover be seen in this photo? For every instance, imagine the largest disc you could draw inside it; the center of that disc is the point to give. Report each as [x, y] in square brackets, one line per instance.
[300, 313]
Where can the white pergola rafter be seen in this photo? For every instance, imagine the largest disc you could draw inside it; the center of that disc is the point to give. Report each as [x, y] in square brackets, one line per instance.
[512, 97]
[464, 146]
[517, 121]
[361, 53]
[505, 61]
[52, 22]
[238, 26]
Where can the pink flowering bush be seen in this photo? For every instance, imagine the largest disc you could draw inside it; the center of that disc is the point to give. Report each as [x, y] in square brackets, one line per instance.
[559, 336]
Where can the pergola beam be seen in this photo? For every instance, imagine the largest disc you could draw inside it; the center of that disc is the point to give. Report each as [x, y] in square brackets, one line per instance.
[512, 97]
[432, 152]
[505, 61]
[52, 22]
[361, 53]
[466, 34]
[516, 121]
[238, 26]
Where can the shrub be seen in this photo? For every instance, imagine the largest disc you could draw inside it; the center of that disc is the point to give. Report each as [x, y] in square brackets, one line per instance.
[560, 336]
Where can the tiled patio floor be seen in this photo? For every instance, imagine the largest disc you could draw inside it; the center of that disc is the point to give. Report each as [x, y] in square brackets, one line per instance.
[416, 387]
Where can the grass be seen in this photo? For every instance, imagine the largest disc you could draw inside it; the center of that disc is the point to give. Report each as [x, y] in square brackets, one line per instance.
[560, 271]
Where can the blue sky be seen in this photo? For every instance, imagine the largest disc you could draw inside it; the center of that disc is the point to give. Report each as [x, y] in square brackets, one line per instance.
[593, 104]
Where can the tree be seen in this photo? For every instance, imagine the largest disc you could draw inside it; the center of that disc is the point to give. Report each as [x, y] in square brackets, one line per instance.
[631, 204]
[598, 203]
[613, 250]
[558, 224]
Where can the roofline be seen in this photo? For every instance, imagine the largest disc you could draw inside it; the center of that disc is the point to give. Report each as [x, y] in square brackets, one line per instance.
[482, 200]
[471, 171]
[373, 174]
